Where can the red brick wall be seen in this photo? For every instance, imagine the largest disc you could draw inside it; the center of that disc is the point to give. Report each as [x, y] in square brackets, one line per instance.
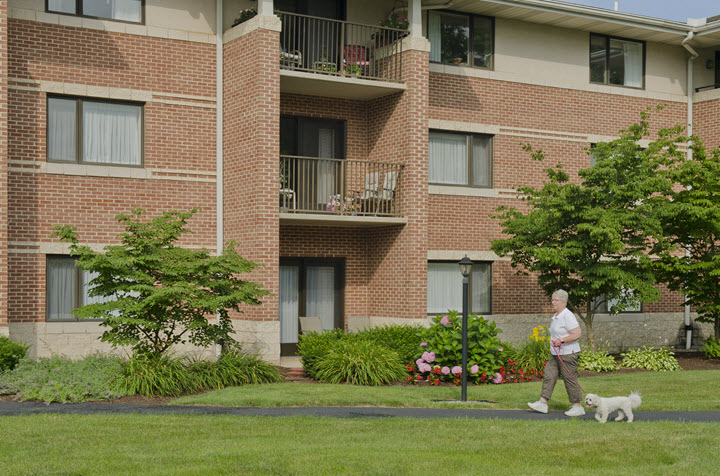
[176, 138]
[252, 158]
[3, 167]
[706, 117]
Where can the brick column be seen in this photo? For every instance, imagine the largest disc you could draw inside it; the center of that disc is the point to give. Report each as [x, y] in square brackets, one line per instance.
[399, 280]
[3, 169]
[251, 168]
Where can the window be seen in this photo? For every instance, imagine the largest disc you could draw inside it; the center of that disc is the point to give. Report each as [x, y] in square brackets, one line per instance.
[605, 306]
[122, 10]
[460, 159]
[94, 132]
[461, 39]
[444, 288]
[66, 288]
[617, 61]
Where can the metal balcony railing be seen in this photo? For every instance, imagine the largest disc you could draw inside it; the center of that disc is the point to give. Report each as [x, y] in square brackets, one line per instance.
[340, 187]
[340, 48]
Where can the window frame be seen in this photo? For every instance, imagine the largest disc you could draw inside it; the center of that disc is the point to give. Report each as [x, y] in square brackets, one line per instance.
[470, 303]
[79, 9]
[77, 298]
[470, 51]
[606, 79]
[470, 143]
[79, 100]
[603, 307]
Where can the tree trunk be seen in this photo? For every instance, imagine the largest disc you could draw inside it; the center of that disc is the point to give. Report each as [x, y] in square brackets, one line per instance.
[588, 321]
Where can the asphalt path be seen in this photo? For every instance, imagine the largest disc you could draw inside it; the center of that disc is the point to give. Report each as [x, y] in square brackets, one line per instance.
[34, 408]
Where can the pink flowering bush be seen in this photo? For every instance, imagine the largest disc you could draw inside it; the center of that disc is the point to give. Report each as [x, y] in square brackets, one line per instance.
[440, 353]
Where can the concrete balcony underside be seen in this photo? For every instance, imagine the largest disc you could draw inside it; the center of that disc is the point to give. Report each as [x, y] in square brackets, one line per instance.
[340, 220]
[318, 84]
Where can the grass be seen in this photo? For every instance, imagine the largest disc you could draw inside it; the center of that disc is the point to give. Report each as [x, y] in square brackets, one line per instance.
[660, 391]
[192, 444]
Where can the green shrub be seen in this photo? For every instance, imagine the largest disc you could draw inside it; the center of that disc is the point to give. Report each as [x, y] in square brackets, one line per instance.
[151, 376]
[11, 353]
[598, 361]
[531, 355]
[711, 348]
[313, 346]
[403, 339]
[649, 358]
[234, 369]
[443, 347]
[360, 362]
[59, 379]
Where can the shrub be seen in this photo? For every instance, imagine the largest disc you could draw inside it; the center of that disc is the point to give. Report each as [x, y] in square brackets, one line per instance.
[59, 379]
[711, 348]
[360, 362]
[150, 376]
[234, 369]
[11, 353]
[402, 339]
[313, 346]
[532, 354]
[649, 358]
[440, 355]
[598, 361]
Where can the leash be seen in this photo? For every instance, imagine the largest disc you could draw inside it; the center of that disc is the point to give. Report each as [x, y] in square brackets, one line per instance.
[557, 354]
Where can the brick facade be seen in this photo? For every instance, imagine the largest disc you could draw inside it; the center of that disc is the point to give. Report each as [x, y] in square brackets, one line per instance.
[385, 264]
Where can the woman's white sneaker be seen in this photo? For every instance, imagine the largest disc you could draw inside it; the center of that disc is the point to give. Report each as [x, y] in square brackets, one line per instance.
[575, 411]
[539, 406]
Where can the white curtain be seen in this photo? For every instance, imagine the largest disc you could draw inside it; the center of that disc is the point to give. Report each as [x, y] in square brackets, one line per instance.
[482, 171]
[480, 289]
[289, 301]
[320, 294]
[448, 158]
[632, 57]
[326, 168]
[61, 129]
[434, 36]
[111, 133]
[64, 6]
[127, 10]
[61, 289]
[444, 288]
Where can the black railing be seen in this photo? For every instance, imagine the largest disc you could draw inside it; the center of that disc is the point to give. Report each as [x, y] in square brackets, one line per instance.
[340, 48]
[340, 187]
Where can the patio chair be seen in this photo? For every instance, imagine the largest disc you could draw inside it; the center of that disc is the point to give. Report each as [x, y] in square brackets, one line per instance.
[369, 195]
[310, 324]
[290, 58]
[356, 57]
[386, 198]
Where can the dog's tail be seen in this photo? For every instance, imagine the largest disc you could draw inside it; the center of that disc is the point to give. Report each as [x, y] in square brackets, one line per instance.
[635, 399]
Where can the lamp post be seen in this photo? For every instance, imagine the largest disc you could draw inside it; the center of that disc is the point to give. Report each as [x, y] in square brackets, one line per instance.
[465, 267]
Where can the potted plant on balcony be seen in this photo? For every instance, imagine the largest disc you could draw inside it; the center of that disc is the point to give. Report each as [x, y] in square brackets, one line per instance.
[248, 13]
[393, 20]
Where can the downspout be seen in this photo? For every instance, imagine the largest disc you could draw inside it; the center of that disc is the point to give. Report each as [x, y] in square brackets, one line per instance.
[219, 137]
[691, 59]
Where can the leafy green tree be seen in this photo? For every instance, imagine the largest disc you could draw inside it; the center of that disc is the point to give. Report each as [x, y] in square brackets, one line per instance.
[591, 236]
[691, 221]
[157, 294]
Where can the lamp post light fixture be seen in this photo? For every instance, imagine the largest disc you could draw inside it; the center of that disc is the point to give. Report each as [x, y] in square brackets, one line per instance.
[465, 268]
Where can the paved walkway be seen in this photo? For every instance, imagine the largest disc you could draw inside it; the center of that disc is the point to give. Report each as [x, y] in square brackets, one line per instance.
[29, 408]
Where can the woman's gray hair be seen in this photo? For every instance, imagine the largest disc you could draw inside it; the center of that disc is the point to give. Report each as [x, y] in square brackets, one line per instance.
[562, 295]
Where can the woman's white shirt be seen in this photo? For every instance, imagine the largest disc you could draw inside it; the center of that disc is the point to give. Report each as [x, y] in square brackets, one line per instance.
[560, 326]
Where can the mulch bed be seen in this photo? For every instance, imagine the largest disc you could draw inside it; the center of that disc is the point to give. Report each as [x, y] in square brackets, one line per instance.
[687, 361]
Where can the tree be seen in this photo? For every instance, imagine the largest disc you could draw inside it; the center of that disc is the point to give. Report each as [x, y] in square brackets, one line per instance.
[157, 294]
[591, 237]
[691, 221]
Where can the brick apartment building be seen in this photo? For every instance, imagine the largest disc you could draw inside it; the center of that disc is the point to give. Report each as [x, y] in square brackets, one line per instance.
[356, 163]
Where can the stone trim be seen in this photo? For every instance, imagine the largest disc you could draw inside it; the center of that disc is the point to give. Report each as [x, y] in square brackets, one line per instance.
[111, 26]
[89, 170]
[257, 22]
[454, 255]
[57, 248]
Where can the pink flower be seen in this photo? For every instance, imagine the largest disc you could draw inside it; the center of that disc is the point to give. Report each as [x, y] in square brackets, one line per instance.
[428, 357]
[423, 344]
[424, 367]
[445, 370]
[498, 378]
[500, 349]
[474, 369]
[419, 362]
[457, 369]
[445, 321]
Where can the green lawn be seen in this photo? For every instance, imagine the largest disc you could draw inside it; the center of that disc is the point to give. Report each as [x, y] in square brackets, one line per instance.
[660, 391]
[192, 444]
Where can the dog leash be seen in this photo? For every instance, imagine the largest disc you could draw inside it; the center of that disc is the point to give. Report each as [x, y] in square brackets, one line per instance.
[557, 354]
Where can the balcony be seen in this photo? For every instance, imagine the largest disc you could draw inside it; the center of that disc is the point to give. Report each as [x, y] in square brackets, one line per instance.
[340, 192]
[324, 57]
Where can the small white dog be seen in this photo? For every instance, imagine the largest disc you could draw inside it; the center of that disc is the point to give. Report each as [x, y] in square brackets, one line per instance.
[605, 406]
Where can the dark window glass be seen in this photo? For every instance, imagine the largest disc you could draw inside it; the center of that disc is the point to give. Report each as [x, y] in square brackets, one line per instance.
[460, 39]
[616, 61]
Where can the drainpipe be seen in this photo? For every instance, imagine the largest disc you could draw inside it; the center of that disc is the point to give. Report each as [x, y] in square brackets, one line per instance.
[219, 136]
[691, 59]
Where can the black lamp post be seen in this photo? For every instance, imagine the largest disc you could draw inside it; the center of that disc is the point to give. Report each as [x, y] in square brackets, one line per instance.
[465, 267]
